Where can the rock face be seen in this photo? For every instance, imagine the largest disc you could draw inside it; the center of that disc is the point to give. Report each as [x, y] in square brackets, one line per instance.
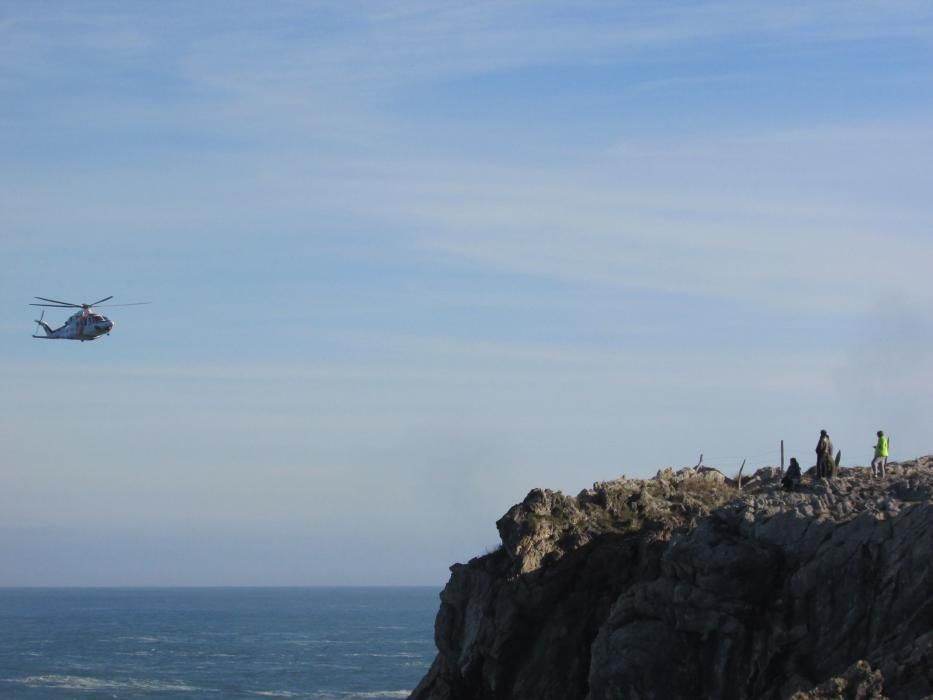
[683, 586]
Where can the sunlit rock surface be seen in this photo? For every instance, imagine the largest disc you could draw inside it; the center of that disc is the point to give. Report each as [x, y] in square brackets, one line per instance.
[684, 586]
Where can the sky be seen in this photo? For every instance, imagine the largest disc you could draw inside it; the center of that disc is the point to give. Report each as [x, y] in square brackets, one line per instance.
[409, 260]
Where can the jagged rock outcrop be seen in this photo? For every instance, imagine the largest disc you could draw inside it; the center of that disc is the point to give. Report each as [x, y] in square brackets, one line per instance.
[682, 586]
[859, 682]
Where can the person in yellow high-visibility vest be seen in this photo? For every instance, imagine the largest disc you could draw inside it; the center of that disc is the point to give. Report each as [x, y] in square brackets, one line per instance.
[881, 455]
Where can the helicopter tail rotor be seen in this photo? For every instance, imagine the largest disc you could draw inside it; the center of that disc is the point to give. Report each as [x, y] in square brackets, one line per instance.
[45, 326]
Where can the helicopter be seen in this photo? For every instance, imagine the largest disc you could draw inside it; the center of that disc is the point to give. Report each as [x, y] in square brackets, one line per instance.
[82, 325]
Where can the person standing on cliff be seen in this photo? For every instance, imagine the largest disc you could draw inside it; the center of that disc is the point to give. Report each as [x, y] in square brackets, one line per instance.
[881, 455]
[824, 456]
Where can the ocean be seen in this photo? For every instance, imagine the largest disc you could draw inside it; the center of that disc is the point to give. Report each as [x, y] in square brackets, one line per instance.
[314, 643]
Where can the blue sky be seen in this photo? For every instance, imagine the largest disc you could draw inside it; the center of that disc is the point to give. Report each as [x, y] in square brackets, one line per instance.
[409, 260]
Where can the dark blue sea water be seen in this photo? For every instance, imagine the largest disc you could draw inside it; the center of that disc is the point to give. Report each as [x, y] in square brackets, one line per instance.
[315, 643]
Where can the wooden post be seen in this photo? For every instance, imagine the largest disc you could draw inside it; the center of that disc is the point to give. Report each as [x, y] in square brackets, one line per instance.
[782, 458]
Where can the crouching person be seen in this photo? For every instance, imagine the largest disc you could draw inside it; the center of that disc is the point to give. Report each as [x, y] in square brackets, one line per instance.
[791, 480]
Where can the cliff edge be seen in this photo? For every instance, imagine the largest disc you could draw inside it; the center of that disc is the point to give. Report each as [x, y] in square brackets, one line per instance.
[684, 586]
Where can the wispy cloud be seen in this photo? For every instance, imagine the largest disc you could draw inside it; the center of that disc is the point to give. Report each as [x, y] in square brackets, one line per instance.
[752, 215]
[407, 42]
[448, 251]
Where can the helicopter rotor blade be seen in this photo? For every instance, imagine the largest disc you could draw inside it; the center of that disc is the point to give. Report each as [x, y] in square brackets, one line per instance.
[56, 304]
[63, 303]
[135, 303]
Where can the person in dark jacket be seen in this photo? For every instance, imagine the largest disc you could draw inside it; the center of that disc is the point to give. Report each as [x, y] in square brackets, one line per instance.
[791, 480]
[824, 456]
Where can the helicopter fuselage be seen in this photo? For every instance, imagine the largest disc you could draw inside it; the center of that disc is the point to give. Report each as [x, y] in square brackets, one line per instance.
[83, 325]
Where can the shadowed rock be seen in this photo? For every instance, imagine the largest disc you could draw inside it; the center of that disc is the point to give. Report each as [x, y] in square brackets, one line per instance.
[682, 586]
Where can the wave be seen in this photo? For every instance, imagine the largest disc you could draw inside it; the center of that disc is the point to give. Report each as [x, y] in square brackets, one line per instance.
[65, 682]
[90, 683]
[148, 638]
[336, 695]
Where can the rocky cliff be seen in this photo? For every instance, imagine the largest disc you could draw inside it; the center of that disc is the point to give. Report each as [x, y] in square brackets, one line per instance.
[684, 586]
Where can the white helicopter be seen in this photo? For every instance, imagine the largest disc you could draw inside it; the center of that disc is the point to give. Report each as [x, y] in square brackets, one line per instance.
[82, 325]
